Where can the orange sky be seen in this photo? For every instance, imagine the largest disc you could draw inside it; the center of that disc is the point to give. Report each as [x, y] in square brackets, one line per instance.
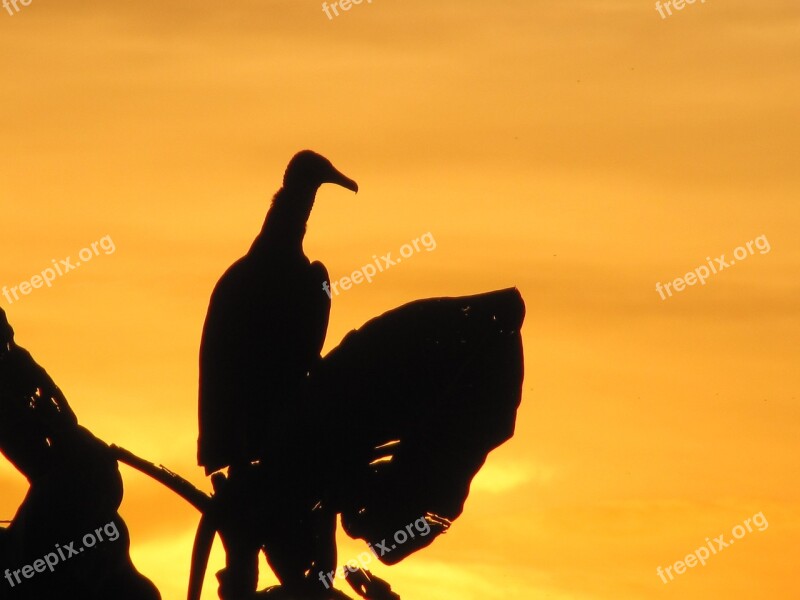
[580, 150]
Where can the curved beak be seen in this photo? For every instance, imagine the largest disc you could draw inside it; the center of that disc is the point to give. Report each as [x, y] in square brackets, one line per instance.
[340, 179]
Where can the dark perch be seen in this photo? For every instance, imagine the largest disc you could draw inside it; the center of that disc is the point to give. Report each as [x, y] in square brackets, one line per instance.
[75, 488]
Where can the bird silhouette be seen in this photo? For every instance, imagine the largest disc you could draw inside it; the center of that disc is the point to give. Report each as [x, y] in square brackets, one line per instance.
[387, 430]
[265, 327]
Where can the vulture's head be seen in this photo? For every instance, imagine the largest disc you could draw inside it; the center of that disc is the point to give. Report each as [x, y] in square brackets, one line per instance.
[308, 169]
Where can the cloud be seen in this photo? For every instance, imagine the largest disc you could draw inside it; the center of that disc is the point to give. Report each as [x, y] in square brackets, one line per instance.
[504, 478]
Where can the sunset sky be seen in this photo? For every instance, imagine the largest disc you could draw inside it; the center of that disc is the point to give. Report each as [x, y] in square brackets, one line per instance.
[580, 150]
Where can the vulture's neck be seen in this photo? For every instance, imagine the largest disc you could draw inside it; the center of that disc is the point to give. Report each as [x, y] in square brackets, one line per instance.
[285, 225]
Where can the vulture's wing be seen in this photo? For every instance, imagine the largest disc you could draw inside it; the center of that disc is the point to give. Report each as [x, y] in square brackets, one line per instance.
[227, 370]
[417, 398]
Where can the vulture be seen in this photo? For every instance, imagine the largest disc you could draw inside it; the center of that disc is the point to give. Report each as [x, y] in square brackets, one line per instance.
[387, 430]
[265, 327]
